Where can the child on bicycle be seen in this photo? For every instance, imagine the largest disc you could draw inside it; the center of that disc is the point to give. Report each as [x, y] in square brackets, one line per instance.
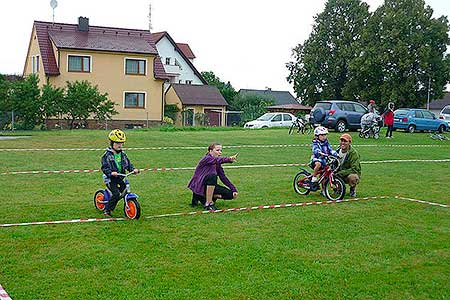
[320, 149]
[114, 162]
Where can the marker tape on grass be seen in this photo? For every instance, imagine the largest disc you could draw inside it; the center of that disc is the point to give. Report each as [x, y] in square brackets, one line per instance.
[192, 213]
[156, 148]
[203, 147]
[422, 201]
[3, 294]
[164, 169]
[237, 209]
[63, 222]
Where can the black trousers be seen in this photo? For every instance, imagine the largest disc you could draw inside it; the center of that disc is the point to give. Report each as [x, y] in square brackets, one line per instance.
[116, 186]
[224, 192]
[390, 128]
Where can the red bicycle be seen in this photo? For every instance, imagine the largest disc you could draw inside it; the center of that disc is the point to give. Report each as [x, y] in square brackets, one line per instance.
[332, 184]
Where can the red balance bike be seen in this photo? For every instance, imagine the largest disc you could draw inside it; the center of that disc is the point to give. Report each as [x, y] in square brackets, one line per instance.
[131, 207]
[332, 185]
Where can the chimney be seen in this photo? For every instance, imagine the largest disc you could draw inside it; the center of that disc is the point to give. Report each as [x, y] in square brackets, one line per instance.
[83, 24]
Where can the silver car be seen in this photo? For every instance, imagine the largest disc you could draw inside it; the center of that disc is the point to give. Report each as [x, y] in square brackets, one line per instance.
[445, 114]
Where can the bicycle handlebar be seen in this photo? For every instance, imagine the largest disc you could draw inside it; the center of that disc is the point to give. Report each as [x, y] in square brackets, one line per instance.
[125, 175]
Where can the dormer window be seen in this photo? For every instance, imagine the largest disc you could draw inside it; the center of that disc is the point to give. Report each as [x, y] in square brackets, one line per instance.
[135, 66]
[167, 60]
[79, 63]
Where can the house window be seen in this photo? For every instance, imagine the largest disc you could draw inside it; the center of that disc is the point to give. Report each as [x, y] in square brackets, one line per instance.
[167, 60]
[35, 64]
[135, 66]
[188, 81]
[134, 100]
[79, 63]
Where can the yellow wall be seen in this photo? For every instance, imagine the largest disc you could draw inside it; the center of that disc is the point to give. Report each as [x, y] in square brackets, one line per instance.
[33, 50]
[108, 73]
[172, 98]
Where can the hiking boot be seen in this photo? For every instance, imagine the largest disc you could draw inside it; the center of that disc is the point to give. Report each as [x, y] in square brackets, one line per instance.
[107, 213]
[352, 192]
[211, 207]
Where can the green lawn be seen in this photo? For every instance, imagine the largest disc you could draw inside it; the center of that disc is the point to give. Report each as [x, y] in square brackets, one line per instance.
[375, 249]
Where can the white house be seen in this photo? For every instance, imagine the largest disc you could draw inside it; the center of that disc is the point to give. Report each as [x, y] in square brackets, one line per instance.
[177, 59]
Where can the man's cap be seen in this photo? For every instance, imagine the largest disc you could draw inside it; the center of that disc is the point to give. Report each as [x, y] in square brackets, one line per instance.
[346, 137]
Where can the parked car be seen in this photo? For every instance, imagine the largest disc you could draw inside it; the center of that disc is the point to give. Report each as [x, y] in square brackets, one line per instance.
[338, 114]
[413, 119]
[445, 114]
[275, 119]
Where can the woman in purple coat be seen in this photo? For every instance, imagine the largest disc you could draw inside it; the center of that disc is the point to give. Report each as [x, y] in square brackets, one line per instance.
[204, 182]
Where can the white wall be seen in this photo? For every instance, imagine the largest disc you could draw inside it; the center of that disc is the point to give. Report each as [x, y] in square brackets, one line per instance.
[166, 49]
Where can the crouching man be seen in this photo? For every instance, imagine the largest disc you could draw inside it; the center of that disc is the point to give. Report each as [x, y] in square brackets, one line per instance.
[350, 169]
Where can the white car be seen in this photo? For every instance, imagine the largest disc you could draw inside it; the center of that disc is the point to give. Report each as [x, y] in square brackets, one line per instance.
[445, 114]
[275, 119]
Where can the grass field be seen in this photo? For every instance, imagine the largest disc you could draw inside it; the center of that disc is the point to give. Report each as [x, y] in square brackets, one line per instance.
[376, 249]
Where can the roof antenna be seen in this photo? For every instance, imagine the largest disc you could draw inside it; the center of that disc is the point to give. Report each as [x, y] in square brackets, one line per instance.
[150, 27]
[53, 4]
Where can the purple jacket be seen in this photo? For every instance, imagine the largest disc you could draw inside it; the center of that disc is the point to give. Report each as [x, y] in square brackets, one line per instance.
[206, 166]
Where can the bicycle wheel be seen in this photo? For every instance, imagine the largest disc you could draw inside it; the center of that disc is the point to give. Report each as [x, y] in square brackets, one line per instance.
[335, 190]
[301, 183]
[133, 211]
[99, 197]
[291, 129]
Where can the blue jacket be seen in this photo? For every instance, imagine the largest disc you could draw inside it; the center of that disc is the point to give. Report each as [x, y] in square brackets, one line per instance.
[324, 147]
[109, 163]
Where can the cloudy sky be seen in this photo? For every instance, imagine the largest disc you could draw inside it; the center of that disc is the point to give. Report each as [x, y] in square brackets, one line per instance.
[246, 42]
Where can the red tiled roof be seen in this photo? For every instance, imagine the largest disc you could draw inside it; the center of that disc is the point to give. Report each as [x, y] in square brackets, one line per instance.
[45, 47]
[98, 38]
[158, 35]
[187, 51]
[100, 42]
[199, 94]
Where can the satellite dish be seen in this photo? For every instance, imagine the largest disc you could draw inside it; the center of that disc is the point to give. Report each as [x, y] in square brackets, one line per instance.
[53, 4]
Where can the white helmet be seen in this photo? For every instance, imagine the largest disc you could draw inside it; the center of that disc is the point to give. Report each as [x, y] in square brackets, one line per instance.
[320, 130]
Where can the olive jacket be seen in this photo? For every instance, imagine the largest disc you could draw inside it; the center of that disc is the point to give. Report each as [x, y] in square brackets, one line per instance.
[351, 164]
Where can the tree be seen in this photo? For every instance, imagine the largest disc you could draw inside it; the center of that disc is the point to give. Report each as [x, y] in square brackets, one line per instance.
[25, 101]
[319, 68]
[404, 51]
[252, 105]
[4, 93]
[226, 89]
[82, 100]
[52, 102]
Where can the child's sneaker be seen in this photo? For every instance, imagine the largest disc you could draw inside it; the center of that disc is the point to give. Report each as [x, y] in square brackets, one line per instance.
[352, 192]
[107, 213]
[211, 207]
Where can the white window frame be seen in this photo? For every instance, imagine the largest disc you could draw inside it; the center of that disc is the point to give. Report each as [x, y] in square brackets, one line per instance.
[134, 58]
[35, 60]
[135, 92]
[81, 55]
